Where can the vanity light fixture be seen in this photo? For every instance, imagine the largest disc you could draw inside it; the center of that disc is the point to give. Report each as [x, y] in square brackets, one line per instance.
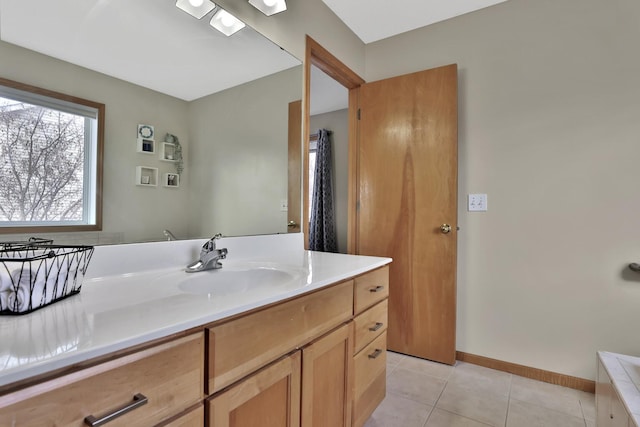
[269, 7]
[196, 8]
[226, 23]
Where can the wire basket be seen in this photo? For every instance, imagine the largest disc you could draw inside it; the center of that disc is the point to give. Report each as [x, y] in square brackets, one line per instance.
[25, 243]
[34, 274]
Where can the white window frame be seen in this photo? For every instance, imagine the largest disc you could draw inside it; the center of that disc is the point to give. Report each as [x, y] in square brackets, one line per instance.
[94, 114]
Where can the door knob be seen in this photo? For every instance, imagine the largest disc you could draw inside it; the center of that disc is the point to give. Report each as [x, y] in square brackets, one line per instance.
[445, 228]
[292, 223]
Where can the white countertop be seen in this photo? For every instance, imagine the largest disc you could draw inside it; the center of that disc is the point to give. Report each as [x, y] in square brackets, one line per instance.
[136, 293]
[624, 372]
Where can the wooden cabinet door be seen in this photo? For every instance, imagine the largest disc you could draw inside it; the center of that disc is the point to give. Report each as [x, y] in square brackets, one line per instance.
[326, 380]
[269, 398]
[407, 189]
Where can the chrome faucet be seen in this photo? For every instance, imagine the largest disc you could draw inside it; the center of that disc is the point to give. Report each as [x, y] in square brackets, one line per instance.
[169, 235]
[209, 256]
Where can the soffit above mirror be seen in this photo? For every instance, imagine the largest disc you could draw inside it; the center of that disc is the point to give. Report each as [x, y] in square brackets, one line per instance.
[150, 43]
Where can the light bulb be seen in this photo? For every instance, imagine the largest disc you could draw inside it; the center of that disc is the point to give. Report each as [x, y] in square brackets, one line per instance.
[269, 3]
[227, 20]
[196, 3]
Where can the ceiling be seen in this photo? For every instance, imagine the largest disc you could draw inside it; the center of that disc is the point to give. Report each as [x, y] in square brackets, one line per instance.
[151, 43]
[373, 20]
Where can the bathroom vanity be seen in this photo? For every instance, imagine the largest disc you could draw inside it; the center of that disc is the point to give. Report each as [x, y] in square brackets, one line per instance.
[617, 390]
[157, 346]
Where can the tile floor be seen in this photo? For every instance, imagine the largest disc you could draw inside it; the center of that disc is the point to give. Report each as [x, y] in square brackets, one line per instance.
[427, 394]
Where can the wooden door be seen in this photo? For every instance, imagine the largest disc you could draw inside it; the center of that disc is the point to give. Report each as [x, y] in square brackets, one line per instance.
[270, 398]
[294, 206]
[407, 189]
[326, 380]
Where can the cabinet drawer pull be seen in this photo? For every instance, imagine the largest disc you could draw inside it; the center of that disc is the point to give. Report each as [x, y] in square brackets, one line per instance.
[377, 288]
[377, 326]
[138, 400]
[375, 354]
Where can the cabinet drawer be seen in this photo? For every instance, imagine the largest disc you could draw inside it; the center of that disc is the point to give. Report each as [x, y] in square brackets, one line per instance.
[241, 346]
[370, 379]
[170, 376]
[370, 324]
[193, 418]
[370, 288]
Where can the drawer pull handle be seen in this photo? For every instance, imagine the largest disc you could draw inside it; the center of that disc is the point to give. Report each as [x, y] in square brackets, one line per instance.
[377, 326]
[377, 288]
[375, 354]
[138, 400]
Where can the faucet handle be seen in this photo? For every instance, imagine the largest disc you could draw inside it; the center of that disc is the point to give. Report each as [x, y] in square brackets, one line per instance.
[210, 245]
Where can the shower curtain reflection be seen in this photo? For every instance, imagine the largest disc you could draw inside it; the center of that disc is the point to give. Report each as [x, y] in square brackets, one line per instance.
[322, 229]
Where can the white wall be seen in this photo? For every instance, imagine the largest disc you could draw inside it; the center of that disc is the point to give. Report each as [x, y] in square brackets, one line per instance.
[131, 213]
[549, 109]
[338, 123]
[239, 157]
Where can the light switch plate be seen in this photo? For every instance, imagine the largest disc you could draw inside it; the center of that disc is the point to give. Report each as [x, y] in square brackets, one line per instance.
[477, 203]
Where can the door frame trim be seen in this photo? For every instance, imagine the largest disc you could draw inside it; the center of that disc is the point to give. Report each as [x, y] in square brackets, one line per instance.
[317, 55]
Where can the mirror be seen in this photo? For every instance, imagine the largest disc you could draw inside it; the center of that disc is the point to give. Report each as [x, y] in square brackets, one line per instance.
[224, 98]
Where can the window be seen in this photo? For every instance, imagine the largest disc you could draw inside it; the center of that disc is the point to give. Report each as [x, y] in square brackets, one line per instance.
[50, 160]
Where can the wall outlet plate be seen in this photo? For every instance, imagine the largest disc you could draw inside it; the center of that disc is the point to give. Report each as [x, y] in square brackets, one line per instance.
[477, 203]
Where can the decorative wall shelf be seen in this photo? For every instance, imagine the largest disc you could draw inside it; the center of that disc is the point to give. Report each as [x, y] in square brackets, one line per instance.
[147, 146]
[171, 180]
[168, 151]
[146, 176]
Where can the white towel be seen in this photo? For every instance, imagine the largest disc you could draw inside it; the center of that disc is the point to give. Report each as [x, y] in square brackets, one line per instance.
[6, 285]
[4, 300]
[51, 287]
[25, 297]
[5, 277]
[65, 280]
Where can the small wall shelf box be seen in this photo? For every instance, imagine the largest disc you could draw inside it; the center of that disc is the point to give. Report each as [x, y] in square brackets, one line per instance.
[168, 151]
[171, 180]
[146, 176]
[147, 146]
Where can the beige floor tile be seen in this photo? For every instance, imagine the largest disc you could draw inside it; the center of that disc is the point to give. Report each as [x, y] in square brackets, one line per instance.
[396, 411]
[524, 414]
[434, 369]
[480, 379]
[440, 418]
[547, 395]
[478, 405]
[394, 358]
[415, 385]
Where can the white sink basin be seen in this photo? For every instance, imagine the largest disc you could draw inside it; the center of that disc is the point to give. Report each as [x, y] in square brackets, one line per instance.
[241, 277]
